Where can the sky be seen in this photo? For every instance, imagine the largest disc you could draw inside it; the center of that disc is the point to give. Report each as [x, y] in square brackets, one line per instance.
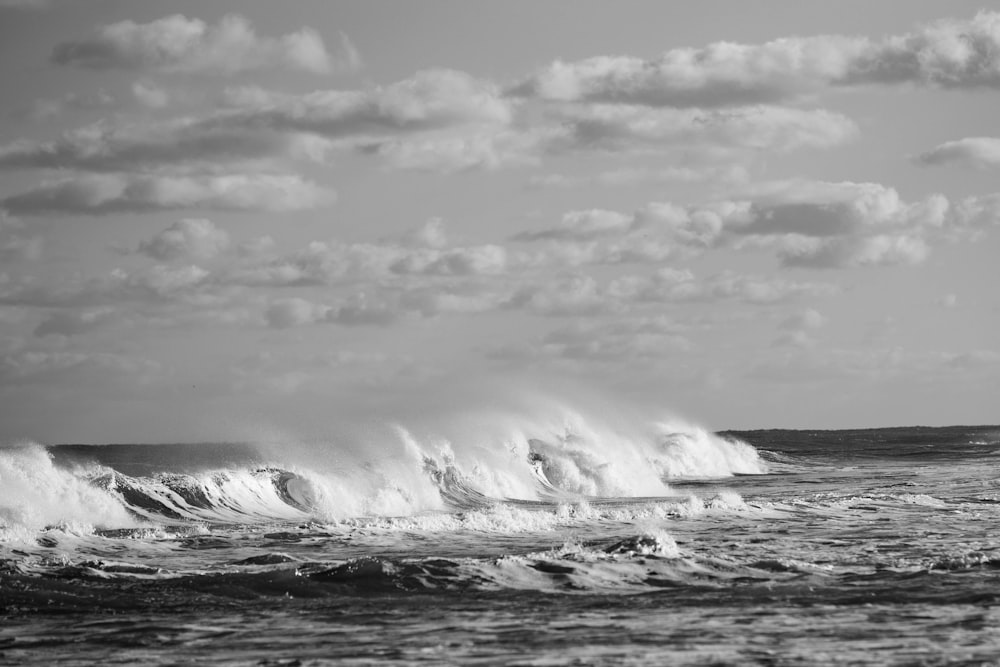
[232, 220]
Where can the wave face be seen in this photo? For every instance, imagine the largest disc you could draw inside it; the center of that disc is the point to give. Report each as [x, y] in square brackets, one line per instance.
[390, 470]
[234, 496]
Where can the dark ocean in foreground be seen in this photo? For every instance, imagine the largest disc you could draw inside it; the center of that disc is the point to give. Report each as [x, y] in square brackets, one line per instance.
[567, 543]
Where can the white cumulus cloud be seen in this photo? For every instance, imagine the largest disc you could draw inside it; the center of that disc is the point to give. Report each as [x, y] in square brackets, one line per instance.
[953, 53]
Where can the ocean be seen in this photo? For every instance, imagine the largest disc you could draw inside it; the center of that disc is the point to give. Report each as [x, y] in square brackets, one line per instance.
[562, 542]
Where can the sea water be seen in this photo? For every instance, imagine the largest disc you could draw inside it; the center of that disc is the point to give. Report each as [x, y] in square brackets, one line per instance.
[556, 541]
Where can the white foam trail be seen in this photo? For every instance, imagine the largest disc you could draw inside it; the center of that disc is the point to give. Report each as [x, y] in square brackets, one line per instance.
[509, 518]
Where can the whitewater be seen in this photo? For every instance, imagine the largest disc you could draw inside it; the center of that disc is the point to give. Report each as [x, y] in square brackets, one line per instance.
[548, 536]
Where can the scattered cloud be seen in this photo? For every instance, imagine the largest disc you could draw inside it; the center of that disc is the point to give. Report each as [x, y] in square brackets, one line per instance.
[583, 226]
[596, 277]
[952, 53]
[797, 338]
[348, 57]
[47, 108]
[71, 323]
[179, 44]
[816, 224]
[806, 319]
[693, 227]
[431, 234]
[441, 120]
[181, 146]
[150, 95]
[976, 212]
[646, 340]
[796, 330]
[156, 282]
[106, 194]
[978, 152]
[832, 253]
[474, 260]
[256, 248]
[680, 285]
[159, 283]
[581, 295]
[422, 252]
[973, 360]
[187, 239]
[452, 151]
[719, 75]
[436, 120]
[725, 174]
[16, 243]
[818, 208]
[619, 127]
[570, 296]
[867, 221]
[651, 234]
[295, 311]
[428, 100]
[807, 224]
[456, 298]
[637, 339]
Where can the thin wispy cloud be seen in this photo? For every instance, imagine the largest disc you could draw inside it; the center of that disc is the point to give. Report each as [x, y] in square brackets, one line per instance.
[978, 152]
[180, 44]
[120, 193]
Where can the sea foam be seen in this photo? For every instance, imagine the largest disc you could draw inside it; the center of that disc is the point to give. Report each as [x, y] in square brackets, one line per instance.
[35, 494]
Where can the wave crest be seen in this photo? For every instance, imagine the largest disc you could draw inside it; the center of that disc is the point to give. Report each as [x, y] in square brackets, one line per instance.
[35, 493]
[548, 456]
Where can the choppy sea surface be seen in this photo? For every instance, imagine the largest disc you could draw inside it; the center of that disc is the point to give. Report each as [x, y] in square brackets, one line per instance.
[557, 543]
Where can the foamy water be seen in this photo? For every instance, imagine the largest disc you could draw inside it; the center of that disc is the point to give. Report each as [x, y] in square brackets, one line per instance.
[492, 540]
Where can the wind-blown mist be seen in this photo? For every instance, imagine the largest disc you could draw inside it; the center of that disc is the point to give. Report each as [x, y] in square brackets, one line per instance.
[550, 452]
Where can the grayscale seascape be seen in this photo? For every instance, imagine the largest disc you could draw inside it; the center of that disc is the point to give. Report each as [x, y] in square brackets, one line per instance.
[471, 332]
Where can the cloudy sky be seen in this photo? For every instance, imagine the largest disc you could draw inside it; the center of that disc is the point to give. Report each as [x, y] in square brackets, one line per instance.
[234, 219]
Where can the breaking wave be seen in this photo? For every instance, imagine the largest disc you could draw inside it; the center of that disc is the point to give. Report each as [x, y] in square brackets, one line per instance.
[35, 493]
[393, 470]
